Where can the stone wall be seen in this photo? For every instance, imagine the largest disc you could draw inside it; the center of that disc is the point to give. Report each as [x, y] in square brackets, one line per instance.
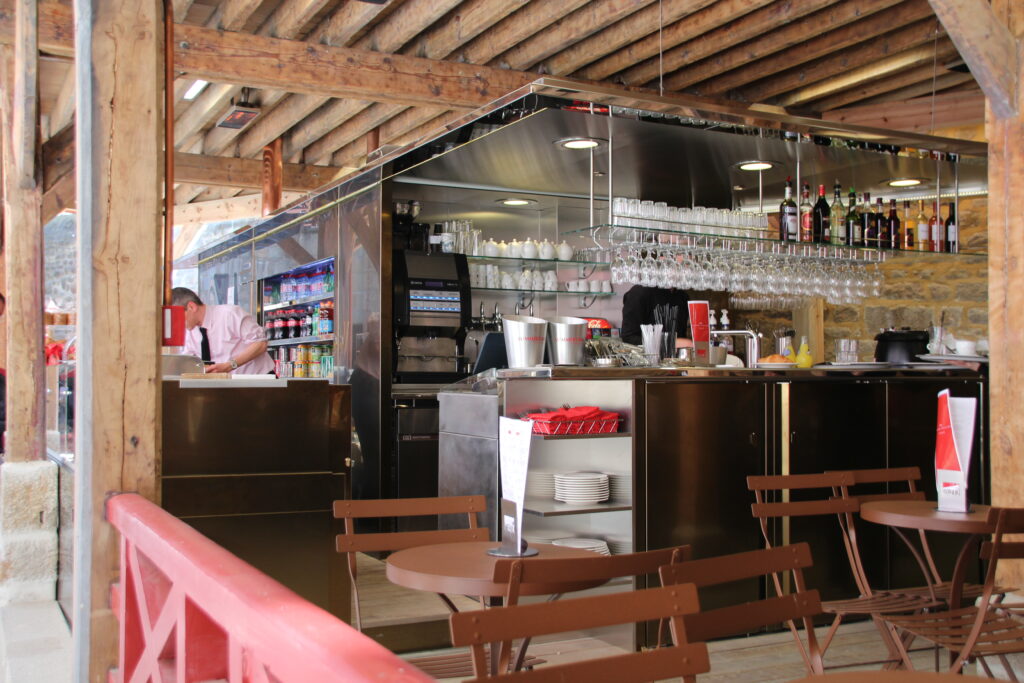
[917, 290]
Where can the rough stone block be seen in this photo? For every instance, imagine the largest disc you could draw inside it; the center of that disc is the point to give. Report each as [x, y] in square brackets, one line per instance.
[842, 314]
[28, 496]
[28, 556]
[972, 291]
[896, 289]
[940, 292]
[978, 316]
[878, 317]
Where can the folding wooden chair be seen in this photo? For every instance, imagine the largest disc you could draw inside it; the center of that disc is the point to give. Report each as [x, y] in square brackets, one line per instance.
[989, 628]
[506, 624]
[906, 479]
[515, 572]
[741, 618]
[772, 502]
[350, 543]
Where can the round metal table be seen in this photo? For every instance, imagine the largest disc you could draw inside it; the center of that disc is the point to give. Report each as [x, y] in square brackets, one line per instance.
[466, 569]
[923, 514]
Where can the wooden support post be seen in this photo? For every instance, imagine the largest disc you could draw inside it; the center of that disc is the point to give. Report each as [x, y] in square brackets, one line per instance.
[1006, 283]
[23, 244]
[272, 177]
[119, 162]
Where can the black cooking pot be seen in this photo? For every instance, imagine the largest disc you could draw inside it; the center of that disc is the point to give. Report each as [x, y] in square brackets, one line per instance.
[900, 346]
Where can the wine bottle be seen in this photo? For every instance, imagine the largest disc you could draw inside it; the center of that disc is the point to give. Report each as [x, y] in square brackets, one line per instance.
[788, 215]
[822, 218]
[924, 231]
[937, 229]
[806, 215]
[909, 226]
[894, 227]
[853, 224]
[837, 219]
[952, 234]
[869, 221]
[883, 224]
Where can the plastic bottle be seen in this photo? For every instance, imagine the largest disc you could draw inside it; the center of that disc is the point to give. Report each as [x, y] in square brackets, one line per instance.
[790, 353]
[723, 321]
[804, 358]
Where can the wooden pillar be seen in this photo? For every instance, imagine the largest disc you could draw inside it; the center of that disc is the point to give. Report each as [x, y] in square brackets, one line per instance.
[119, 162]
[23, 244]
[1006, 293]
[272, 177]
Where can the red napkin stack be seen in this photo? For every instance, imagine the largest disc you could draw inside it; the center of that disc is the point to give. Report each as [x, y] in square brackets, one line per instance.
[581, 419]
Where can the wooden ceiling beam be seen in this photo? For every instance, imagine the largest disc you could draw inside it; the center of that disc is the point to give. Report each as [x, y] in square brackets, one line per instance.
[233, 15]
[534, 18]
[410, 125]
[689, 28]
[244, 206]
[616, 37]
[60, 197]
[64, 108]
[941, 84]
[368, 119]
[587, 20]
[918, 114]
[467, 20]
[752, 25]
[888, 77]
[879, 47]
[721, 72]
[345, 25]
[181, 8]
[245, 173]
[987, 46]
[878, 73]
[289, 18]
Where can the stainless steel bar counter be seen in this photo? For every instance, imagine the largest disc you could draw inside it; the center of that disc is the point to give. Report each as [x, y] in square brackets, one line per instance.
[690, 437]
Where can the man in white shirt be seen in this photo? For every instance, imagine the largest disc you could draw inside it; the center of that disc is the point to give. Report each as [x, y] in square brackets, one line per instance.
[225, 336]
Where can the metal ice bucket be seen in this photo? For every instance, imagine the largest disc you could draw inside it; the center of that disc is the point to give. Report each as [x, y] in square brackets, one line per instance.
[566, 336]
[524, 340]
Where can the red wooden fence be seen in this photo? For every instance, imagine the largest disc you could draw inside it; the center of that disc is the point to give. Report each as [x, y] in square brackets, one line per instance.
[192, 611]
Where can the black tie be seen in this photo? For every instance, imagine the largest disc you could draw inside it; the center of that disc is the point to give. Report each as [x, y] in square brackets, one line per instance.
[205, 347]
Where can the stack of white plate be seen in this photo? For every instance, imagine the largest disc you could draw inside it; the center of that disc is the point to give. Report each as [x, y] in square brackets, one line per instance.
[581, 488]
[543, 535]
[620, 545]
[540, 484]
[621, 485]
[595, 545]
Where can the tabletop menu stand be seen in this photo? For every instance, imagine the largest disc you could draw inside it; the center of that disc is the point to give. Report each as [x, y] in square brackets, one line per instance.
[511, 543]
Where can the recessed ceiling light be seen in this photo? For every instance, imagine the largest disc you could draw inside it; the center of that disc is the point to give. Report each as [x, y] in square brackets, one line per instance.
[904, 182]
[194, 89]
[516, 201]
[756, 165]
[579, 143]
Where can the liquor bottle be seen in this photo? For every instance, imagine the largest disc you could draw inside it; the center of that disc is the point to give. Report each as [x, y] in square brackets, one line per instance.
[952, 234]
[883, 224]
[924, 233]
[894, 227]
[806, 215]
[837, 219]
[937, 229]
[853, 229]
[788, 215]
[821, 218]
[909, 226]
[869, 223]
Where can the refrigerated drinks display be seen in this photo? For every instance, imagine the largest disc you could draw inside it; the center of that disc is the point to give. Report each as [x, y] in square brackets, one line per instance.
[297, 311]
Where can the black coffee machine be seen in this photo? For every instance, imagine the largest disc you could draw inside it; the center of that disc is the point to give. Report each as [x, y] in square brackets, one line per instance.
[900, 346]
[432, 307]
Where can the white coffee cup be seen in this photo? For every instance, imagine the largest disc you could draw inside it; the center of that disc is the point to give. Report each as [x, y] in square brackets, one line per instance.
[606, 285]
[595, 286]
[965, 347]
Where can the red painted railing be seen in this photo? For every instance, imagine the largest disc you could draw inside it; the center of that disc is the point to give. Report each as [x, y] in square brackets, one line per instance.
[191, 611]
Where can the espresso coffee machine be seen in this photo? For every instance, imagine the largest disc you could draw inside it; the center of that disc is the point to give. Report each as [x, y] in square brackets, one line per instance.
[431, 305]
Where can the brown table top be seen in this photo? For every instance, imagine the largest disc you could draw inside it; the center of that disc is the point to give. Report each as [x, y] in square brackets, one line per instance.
[922, 514]
[888, 677]
[466, 569]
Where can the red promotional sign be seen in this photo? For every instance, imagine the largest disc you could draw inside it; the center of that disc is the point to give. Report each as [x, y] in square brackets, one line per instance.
[699, 328]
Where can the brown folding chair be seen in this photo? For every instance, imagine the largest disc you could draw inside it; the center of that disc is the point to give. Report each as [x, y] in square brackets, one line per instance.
[515, 572]
[907, 479]
[989, 628]
[772, 501]
[732, 620]
[506, 624]
[350, 543]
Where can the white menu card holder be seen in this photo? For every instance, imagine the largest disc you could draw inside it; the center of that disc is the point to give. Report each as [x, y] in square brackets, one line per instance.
[954, 439]
[514, 438]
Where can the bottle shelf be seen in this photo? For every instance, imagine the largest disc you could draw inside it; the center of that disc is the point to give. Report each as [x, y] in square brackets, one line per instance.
[517, 290]
[549, 507]
[298, 302]
[737, 239]
[309, 339]
[520, 261]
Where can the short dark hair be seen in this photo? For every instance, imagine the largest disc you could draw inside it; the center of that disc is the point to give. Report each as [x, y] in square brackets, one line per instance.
[180, 296]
